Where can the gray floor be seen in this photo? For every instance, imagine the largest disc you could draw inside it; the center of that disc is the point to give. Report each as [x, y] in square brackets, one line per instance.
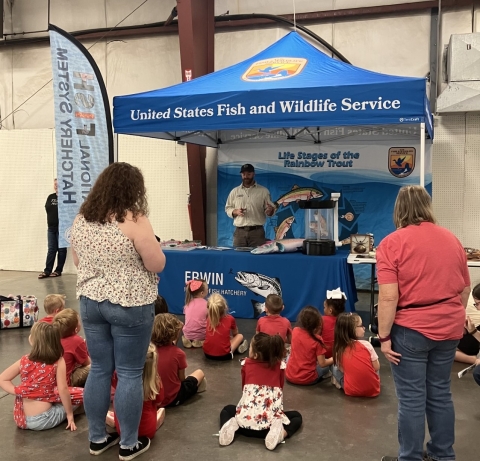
[335, 427]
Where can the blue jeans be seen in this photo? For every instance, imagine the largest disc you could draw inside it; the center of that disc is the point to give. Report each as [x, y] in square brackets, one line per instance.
[52, 252]
[476, 374]
[338, 375]
[422, 384]
[48, 419]
[117, 339]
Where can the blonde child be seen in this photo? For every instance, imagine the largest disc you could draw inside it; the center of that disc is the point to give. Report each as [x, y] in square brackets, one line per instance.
[195, 311]
[75, 351]
[53, 304]
[219, 345]
[307, 363]
[152, 416]
[260, 410]
[333, 305]
[273, 323]
[43, 383]
[356, 362]
[172, 362]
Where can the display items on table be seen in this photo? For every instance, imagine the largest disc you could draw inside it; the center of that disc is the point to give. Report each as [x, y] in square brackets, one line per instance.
[279, 246]
[18, 311]
[472, 254]
[182, 245]
[361, 244]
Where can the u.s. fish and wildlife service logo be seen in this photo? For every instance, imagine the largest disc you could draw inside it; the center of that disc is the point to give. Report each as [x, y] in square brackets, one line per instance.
[401, 161]
[274, 69]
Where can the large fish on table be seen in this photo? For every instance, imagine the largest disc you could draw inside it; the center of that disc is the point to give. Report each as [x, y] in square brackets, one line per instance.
[261, 285]
[298, 194]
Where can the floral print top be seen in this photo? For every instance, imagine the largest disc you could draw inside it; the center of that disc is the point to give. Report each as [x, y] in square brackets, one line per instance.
[110, 267]
[38, 381]
[262, 399]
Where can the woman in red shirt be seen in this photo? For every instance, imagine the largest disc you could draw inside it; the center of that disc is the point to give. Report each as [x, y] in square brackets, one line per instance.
[423, 291]
[307, 363]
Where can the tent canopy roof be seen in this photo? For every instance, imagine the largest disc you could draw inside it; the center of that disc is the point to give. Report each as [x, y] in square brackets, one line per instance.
[291, 84]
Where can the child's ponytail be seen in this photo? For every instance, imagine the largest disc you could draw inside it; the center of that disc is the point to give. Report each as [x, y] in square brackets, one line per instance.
[217, 308]
[193, 288]
[345, 335]
[310, 320]
[151, 380]
[268, 348]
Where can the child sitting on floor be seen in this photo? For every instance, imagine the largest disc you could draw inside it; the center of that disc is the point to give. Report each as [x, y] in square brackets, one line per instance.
[172, 362]
[43, 383]
[273, 323]
[260, 410]
[333, 305]
[161, 306]
[307, 363]
[195, 311]
[75, 351]
[218, 344]
[53, 304]
[356, 362]
[152, 418]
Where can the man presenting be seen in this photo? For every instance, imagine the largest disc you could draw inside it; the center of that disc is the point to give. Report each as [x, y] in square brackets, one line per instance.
[248, 205]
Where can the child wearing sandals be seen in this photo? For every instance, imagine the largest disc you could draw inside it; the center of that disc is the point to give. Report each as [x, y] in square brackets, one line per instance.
[75, 353]
[152, 416]
[356, 362]
[195, 311]
[172, 362]
[52, 304]
[260, 410]
[307, 363]
[333, 305]
[42, 399]
[219, 345]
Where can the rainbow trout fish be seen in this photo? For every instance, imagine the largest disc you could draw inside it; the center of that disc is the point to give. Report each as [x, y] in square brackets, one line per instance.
[283, 228]
[298, 194]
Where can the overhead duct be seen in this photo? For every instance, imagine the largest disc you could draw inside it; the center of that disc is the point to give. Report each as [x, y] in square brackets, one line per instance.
[463, 75]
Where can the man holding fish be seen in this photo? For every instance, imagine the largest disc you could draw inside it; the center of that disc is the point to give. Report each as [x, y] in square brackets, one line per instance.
[249, 205]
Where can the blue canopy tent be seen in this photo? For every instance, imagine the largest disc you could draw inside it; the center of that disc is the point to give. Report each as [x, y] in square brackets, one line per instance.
[291, 89]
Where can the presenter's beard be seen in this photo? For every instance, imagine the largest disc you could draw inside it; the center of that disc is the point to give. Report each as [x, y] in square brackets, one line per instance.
[248, 182]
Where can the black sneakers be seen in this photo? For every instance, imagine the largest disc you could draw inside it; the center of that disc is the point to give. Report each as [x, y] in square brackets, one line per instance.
[143, 444]
[99, 448]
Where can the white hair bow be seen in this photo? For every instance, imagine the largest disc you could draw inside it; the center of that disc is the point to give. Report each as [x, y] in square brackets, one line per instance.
[336, 294]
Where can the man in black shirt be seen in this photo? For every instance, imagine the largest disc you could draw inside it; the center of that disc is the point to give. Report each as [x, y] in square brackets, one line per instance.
[51, 207]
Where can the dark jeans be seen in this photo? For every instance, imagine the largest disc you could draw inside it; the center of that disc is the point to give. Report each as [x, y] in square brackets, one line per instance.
[250, 238]
[52, 252]
[295, 418]
[476, 374]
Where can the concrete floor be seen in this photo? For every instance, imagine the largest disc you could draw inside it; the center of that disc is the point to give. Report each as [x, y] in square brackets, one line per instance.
[335, 426]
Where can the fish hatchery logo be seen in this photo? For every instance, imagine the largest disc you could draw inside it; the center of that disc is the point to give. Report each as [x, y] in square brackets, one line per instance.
[274, 69]
[401, 161]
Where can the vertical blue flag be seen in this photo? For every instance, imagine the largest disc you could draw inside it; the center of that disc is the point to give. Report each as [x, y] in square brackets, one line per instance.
[83, 125]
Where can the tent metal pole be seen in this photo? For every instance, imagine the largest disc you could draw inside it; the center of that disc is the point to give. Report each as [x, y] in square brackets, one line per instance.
[422, 154]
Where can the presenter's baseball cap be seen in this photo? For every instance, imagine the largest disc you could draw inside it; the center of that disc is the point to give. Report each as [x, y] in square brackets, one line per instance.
[247, 168]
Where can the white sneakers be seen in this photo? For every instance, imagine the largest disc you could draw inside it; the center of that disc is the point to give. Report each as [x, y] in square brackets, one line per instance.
[227, 432]
[202, 387]
[243, 347]
[275, 434]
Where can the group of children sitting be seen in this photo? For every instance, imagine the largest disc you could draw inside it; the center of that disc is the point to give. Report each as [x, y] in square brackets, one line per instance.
[321, 348]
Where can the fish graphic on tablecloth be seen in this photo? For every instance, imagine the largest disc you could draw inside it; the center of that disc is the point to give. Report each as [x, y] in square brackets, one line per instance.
[298, 194]
[261, 285]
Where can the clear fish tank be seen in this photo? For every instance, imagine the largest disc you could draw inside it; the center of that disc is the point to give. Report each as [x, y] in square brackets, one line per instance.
[319, 219]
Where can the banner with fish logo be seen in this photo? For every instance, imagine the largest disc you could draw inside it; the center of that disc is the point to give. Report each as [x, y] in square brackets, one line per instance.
[83, 125]
[367, 172]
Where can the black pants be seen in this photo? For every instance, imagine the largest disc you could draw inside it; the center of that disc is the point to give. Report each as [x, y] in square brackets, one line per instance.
[295, 418]
[188, 389]
[53, 249]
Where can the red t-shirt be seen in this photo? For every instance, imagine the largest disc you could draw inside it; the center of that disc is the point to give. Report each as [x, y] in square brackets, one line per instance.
[148, 421]
[217, 342]
[48, 319]
[274, 325]
[328, 330]
[171, 359]
[360, 379]
[302, 364]
[260, 374]
[430, 267]
[75, 353]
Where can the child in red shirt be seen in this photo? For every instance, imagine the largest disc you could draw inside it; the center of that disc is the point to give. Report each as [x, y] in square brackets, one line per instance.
[218, 344]
[172, 362]
[52, 304]
[75, 351]
[356, 362]
[273, 323]
[307, 363]
[260, 410]
[152, 416]
[332, 307]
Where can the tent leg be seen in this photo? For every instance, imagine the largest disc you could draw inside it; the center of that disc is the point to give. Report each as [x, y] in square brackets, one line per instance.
[422, 154]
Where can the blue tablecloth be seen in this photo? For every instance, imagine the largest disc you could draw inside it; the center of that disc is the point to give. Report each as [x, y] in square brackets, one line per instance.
[245, 279]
